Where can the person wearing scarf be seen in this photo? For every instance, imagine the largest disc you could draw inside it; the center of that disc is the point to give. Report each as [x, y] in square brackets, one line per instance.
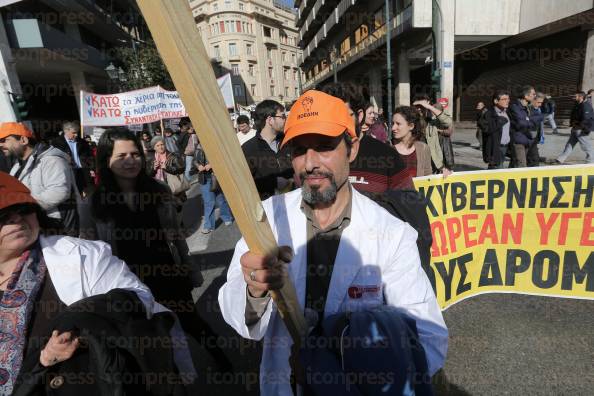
[39, 270]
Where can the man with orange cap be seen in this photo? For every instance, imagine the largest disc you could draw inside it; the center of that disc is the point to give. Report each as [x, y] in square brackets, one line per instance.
[344, 252]
[45, 171]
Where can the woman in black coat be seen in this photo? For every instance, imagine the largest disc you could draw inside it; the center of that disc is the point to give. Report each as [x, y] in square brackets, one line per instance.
[136, 215]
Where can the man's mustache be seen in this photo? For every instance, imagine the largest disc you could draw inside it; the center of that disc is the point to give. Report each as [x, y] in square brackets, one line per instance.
[306, 175]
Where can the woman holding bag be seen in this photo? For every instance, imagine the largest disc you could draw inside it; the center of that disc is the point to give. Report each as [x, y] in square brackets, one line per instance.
[168, 168]
[211, 193]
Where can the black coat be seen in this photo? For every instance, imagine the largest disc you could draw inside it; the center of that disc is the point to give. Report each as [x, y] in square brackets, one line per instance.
[121, 353]
[82, 148]
[266, 165]
[582, 117]
[491, 125]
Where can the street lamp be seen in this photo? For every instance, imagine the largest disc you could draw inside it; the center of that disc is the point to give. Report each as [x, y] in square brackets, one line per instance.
[112, 71]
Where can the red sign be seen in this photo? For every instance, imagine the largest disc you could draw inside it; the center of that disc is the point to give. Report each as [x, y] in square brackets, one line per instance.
[444, 102]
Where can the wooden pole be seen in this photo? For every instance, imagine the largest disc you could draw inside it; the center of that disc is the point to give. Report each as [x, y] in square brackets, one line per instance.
[80, 105]
[162, 128]
[180, 45]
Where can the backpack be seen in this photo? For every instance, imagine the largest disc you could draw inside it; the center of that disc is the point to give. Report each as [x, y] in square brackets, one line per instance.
[410, 206]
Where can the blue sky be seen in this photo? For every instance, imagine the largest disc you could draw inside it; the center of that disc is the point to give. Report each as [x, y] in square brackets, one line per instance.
[287, 2]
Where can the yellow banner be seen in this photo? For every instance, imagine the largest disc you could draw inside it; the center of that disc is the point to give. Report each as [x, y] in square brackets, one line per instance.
[528, 231]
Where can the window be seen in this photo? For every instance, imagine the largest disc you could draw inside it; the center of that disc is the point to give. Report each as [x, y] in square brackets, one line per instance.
[294, 58]
[251, 70]
[267, 31]
[253, 89]
[284, 56]
[238, 90]
[286, 74]
[345, 46]
[295, 74]
[227, 27]
[248, 49]
[379, 18]
[238, 24]
[286, 92]
[272, 90]
[361, 33]
[222, 26]
[235, 69]
[217, 51]
[215, 7]
[283, 38]
[232, 49]
[270, 72]
[269, 54]
[240, 6]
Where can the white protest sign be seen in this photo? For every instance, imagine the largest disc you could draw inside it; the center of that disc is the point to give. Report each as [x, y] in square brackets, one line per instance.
[142, 106]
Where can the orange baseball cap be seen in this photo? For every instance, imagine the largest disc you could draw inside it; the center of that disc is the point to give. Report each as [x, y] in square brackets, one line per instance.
[14, 128]
[319, 113]
[13, 192]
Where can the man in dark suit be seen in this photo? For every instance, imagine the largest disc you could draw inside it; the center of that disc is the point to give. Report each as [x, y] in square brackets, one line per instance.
[81, 157]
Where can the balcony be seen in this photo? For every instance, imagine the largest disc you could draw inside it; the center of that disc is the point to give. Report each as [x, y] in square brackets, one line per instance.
[321, 9]
[234, 57]
[402, 22]
[270, 41]
[304, 9]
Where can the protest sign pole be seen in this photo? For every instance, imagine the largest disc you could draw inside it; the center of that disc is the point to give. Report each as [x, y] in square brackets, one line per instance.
[81, 101]
[180, 45]
[162, 128]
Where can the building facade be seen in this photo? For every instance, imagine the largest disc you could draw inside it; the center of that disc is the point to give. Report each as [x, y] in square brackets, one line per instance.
[51, 49]
[462, 50]
[257, 42]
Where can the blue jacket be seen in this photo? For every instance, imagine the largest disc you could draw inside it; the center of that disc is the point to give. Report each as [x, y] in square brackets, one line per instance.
[370, 352]
[522, 122]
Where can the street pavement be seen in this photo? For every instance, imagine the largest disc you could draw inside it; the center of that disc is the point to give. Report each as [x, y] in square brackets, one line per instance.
[500, 344]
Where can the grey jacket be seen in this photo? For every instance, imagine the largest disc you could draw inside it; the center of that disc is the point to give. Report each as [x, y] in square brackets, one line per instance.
[48, 175]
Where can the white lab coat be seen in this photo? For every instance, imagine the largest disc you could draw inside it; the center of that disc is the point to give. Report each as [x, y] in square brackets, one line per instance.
[376, 249]
[79, 269]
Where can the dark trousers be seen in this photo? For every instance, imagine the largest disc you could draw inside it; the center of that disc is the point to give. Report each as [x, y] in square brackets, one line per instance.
[532, 154]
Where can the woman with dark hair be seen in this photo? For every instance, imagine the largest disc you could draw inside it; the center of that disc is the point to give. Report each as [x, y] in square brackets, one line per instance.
[407, 130]
[136, 215]
[40, 276]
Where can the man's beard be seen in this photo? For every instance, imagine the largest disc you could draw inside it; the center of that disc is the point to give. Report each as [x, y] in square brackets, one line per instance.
[313, 195]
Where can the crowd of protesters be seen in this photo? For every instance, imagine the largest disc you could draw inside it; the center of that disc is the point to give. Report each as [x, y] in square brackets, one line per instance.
[123, 196]
[514, 127]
